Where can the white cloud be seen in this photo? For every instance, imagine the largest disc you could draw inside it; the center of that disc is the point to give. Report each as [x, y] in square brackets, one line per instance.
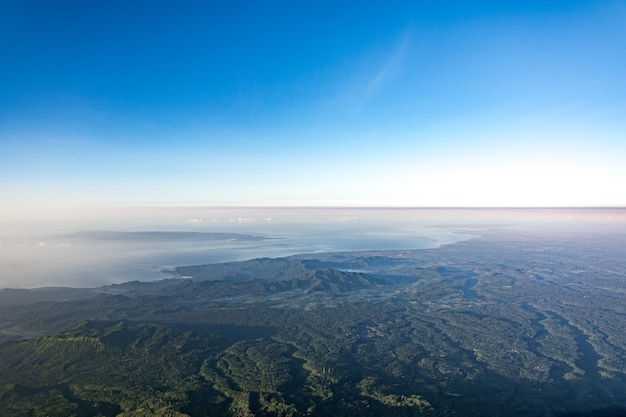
[391, 68]
[388, 69]
[348, 218]
[243, 220]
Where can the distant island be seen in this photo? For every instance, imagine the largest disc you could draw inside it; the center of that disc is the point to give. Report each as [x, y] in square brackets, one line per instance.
[158, 236]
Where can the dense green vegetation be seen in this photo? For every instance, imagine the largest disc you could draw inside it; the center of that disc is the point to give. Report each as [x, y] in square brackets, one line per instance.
[509, 325]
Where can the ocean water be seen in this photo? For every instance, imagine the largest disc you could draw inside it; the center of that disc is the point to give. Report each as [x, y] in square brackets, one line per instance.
[49, 252]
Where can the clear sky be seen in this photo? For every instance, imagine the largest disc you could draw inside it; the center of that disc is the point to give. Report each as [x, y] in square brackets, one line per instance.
[312, 103]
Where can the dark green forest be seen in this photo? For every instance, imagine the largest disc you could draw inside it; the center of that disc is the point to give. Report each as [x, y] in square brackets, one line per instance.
[506, 324]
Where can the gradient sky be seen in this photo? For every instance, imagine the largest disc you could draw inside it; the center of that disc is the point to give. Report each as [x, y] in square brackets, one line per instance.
[314, 103]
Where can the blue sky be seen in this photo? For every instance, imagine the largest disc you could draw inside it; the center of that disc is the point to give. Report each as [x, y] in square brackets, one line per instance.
[298, 103]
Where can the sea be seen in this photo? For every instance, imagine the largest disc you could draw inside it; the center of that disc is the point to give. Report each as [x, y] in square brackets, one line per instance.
[96, 247]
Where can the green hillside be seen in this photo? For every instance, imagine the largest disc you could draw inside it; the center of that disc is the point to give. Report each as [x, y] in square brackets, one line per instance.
[499, 326]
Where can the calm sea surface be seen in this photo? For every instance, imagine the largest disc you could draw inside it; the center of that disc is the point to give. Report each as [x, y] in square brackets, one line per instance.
[50, 253]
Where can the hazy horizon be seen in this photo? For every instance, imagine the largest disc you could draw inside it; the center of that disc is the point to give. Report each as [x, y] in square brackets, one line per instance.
[54, 252]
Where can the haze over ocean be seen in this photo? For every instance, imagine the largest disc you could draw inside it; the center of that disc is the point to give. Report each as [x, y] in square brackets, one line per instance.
[90, 252]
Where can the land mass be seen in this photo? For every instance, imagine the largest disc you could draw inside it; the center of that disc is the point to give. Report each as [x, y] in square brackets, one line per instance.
[158, 236]
[509, 323]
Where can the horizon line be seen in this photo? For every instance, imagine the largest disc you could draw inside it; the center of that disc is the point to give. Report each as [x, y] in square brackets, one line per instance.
[253, 206]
